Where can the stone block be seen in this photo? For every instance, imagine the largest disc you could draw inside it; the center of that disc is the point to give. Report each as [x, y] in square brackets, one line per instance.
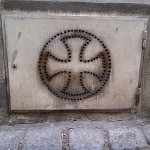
[110, 71]
[127, 138]
[11, 140]
[146, 131]
[86, 139]
[43, 139]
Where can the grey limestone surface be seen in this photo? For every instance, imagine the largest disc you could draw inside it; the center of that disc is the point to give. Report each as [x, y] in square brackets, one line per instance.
[121, 138]
[31, 139]
[146, 131]
[11, 140]
[116, 7]
[43, 139]
[82, 135]
[86, 139]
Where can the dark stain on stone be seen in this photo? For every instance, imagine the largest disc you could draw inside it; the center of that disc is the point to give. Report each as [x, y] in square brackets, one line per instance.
[19, 35]
[116, 29]
[14, 57]
[130, 80]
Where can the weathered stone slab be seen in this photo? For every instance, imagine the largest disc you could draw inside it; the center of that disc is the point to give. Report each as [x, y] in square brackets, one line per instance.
[30, 32]
[86, 139]
[146, 131]
[43, 139]
[127, 138]
[11, 140]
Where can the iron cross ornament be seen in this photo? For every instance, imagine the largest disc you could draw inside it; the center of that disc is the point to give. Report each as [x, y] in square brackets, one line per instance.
[68, 77]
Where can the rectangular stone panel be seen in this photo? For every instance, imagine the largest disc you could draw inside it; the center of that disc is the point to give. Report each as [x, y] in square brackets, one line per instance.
[72, 62]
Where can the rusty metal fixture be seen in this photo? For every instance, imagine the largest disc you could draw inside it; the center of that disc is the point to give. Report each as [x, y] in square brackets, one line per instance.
[102, 77]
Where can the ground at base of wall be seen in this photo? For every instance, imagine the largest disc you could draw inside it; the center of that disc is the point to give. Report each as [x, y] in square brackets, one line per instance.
[77, 135]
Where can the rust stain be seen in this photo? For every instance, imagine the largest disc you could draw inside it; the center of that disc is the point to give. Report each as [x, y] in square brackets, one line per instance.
[74, 76]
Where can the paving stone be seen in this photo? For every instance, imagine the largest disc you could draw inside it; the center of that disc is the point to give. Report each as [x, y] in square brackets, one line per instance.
[86, 139]
[11, 140]
[127, 138]
[146, 131]
[43, 139]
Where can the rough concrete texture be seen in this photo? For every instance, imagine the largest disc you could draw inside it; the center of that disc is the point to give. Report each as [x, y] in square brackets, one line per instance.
[146, 74]
[86, 139]
[3, 116]
[77, 7]
[98, 1]
[84, 135]
[3, 97]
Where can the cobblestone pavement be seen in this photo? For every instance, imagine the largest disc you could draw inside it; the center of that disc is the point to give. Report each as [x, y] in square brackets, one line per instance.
[77, 135]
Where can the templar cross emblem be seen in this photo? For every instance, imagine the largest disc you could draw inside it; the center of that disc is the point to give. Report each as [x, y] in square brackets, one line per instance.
[75, 65]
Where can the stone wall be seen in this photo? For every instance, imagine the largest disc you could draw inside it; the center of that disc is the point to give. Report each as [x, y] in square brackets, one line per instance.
[73, 6]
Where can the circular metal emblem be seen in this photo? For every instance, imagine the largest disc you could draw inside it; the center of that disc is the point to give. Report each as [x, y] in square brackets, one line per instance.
[74, 78]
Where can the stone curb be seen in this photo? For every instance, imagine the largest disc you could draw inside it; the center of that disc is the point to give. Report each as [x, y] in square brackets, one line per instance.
[80, 135]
